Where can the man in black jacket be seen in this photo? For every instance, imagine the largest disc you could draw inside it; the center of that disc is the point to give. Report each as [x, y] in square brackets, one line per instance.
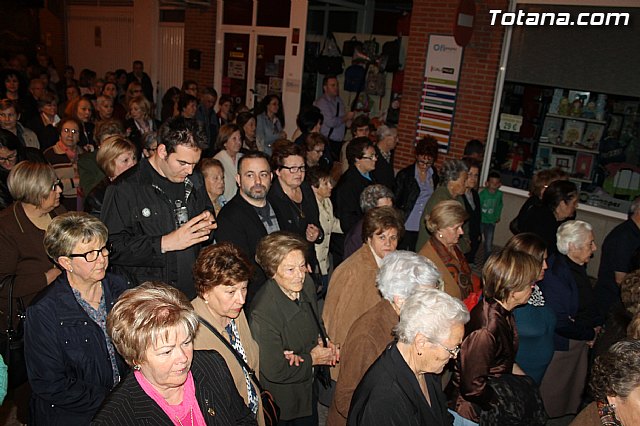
[158, 213]
[141, 77]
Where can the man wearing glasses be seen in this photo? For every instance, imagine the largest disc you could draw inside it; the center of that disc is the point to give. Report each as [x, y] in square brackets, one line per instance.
[158, 213]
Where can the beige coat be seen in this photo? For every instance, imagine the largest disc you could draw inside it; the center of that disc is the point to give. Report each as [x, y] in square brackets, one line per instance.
[205, 339]
[450, 285]
[330, 224]
[352, 292]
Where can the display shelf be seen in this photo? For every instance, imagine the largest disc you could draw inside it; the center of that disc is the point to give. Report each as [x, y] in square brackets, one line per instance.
[569, 148]
[569, 117]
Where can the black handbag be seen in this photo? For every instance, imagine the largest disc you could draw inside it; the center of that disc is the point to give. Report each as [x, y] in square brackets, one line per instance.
[518, 402]
[323, 376]
[270, 409]
[349, 46]
[12, 339]
[330, 64]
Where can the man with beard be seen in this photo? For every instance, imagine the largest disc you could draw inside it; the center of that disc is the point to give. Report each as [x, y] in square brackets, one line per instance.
[248, 216]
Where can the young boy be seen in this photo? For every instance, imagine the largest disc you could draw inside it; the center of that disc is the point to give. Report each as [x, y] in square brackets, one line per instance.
[491, 202]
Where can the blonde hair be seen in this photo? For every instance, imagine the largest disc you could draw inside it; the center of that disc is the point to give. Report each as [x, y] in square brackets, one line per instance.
[508, 271]
[31, 182]
[144, 105]
[69, 229]
[112, 147]
[445, 214]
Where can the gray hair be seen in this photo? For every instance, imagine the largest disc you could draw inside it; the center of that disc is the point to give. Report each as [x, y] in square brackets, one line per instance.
[403, 271]
[67, 230]
[371, 194]
[431, 313]
[634, 207]
[572, 232]
[384, 131]
[451, 170]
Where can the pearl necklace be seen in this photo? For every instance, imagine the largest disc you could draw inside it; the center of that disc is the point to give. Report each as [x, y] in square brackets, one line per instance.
[190, 416]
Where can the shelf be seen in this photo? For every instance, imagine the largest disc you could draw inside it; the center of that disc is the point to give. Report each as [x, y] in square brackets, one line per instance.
[577, 179]
[568, 117]
[569, 148]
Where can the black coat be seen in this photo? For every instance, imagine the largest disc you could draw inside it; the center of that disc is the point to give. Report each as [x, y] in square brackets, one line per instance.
[384, 173]
[475, 219]
[137, 214]
[94, 201]
[346, 197]
[540, 220]
[66, 353]
[390, 395]
[407, 189]
[238, 223]
[216, 394]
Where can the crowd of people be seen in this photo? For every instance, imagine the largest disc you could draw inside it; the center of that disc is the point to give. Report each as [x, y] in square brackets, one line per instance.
[201, 267]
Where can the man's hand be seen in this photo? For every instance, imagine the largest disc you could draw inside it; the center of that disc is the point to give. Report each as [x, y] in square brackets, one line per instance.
[195, 231]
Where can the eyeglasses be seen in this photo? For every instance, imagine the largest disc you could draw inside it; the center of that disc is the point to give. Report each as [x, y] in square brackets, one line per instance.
[295, 169]
[8, 115]
[9, 159]
[319, 151]
[72, 131]
[372, 157]
[453, 353]
[57, 183]
[92, 256]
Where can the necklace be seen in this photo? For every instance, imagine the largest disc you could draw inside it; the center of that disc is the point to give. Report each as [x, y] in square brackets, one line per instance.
[190, 416]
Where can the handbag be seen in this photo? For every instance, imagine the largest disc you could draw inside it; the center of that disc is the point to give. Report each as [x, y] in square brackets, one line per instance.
[270, 409]
[323, 376]
[349, 46]
[518, 402]
[330, 60]
[12, 339]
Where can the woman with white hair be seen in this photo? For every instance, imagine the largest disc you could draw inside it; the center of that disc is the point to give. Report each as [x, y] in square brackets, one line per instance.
[567, 290]
[401, 272]
[403, 387]
[387, 139]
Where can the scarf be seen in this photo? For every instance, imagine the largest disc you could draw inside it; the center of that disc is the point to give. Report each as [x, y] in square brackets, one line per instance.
[607, 414]
[72, 154]
[456, 265]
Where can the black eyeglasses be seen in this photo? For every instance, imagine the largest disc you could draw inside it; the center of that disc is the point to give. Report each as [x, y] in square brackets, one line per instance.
[453, 353]
[295, 169]
[9, 159]
[372, 157]
[92, 256]
[55, 184]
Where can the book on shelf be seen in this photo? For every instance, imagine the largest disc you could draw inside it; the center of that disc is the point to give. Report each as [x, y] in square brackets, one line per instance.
[572, 134]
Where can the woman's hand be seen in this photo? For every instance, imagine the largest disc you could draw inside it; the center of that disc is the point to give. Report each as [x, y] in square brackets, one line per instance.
[517, 370]
[293, 358]
[312, 233]
[325, 356]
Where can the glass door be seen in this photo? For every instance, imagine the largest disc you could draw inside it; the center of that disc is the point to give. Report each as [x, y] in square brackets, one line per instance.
[269, 66]
[235, 66]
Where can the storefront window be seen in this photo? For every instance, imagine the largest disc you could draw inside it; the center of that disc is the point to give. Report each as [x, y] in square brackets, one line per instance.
[274, 13]
[237, 12]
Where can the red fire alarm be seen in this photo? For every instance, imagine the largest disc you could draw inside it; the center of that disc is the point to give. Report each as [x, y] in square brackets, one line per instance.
[464, 20]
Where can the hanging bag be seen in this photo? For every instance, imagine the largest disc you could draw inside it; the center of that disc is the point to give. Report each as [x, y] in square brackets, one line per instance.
[391, 50]
[330, 61]
[354, 78]
[371, 48]
[349, 46]
[12, 339]
[270, 409]
[376, 82]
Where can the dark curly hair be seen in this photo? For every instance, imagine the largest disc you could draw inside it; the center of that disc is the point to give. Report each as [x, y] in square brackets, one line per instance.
[220, 264]
[616, 372]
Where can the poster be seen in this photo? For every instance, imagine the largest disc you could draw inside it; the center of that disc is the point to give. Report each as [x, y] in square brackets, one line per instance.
[440, 89]
[236, 69]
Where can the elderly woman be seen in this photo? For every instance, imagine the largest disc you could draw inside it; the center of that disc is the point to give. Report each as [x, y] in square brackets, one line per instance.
[139, 120]
[615, 383]
[535, 320]
[403, 386]
[314, 145]
[153, 326]
[445, 225]
[63, 156]
[568, 292]
[491, 343]
[413, 187]
[352, 289]
[247, 123]
[115, 156]
[453, 180]
[81, 109]
[221, 274]
[11, 153]
[44, 124]
[386, 141]
[213, 173]
[270, 123]
[559, 203]
[71, 362]
[400, 274]
[372, 196]
[229, 142]
[286, 325]
[10, 122]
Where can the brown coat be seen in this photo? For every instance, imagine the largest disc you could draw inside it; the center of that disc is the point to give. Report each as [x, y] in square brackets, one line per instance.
[588, 416]
[352, 291]
[367, 338]
[450, 284]
[205, 340]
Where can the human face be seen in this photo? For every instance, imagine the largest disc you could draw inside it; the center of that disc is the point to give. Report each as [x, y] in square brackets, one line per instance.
[11, 83]
[189, 110]
[84, 111]
[52, 200]
[192, 89]
[179, 164]
[288, 178]
[472, 178]
[83, 271]
[388, 143]
[37, 89]
[627, 409]
[214, 180]
[383, 243]
[493, 184]
[138, 69]
[50, 109]
[254, 179]
[368, 161]
[225, 108]
[544, 267]
[323, 191]
[250, 129]
[384, 202]
[331, 88]
[110, 89]
[70, 134]
[291, 272]
[151, 151]
[8, 158]
[450, 234]
[71, 93]
[124, 162]
[566, 208]
[581, 254]
[440, 356]
[273, 107]
[105, 109]
[136, 112]
[458, 186]
[314, 156]
[167, 361]
[226, 301]
[362, 132]
[423, 162]
[208, 101]
[8, 119]
[317, 127]
[233, 144]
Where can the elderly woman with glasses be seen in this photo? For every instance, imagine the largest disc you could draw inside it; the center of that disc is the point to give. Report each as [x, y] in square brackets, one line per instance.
[403, 386]
[491, 343]
[400, 274]
[229, 143]
[72, 363]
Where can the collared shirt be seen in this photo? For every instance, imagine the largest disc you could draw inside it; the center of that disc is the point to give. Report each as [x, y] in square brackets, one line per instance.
[333, 110]
[426, 189]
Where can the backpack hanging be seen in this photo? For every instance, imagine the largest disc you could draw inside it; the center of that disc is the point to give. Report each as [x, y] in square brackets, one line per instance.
[376, 81]
[330, 60]
[349, 46]
[371, 47]
[391, 50]
[354, 78]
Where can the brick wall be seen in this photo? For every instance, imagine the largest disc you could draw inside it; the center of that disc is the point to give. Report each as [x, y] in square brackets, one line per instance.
[477, 79]
[200, 34]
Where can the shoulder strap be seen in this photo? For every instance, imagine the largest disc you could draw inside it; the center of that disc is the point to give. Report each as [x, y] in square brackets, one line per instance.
[321, 331]
[233, 351]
